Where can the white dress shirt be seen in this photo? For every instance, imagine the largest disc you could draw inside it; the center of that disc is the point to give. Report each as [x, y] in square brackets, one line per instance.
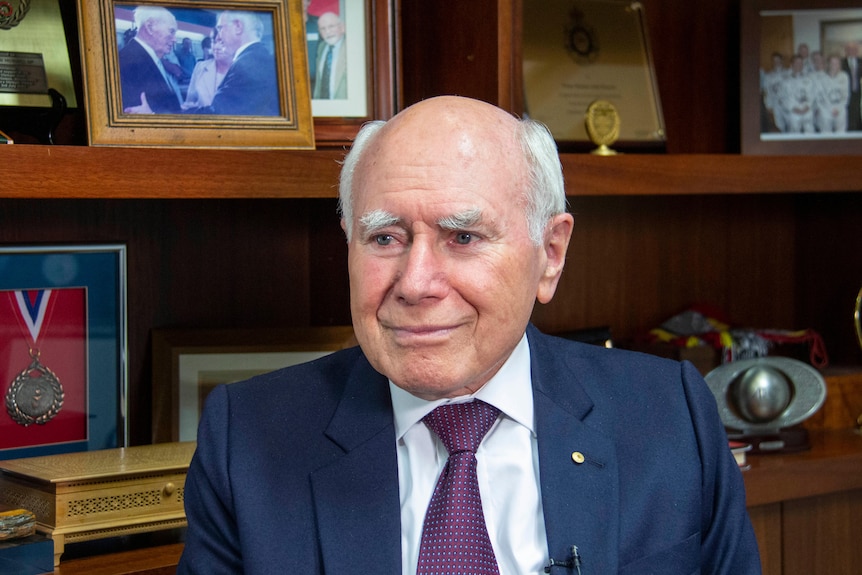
[508, 469]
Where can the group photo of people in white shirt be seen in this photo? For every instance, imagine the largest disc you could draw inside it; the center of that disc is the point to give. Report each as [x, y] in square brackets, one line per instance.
[813, 89]
[809, 92]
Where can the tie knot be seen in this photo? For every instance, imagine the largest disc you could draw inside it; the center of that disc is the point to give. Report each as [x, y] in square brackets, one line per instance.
[461, 426]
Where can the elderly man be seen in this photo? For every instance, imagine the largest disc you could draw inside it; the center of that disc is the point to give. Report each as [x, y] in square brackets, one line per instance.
[331, 59]
[456, 438]
[250, 86]
[143, 77]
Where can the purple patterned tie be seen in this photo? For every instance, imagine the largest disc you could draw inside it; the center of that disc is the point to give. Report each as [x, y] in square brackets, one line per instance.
[454, 536]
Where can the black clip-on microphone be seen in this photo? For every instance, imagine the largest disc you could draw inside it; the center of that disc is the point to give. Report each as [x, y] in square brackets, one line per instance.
[573, 562]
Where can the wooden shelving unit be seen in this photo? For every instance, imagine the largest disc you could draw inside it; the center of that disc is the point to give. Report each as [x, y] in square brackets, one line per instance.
[249, 239]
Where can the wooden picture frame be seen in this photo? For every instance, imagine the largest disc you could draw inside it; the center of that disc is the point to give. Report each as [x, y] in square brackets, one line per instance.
[63, 314]
[188, 363]
[373, 92]
[781, 26]
[277, 116]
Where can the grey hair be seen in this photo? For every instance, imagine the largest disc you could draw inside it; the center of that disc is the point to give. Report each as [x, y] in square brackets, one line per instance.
[546, 190]
[250, 20]
[144, 14]
[545, 194]
[345, 182]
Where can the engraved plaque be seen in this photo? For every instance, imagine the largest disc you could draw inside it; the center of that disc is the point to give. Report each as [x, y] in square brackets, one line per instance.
[580, 51]
[35, 56]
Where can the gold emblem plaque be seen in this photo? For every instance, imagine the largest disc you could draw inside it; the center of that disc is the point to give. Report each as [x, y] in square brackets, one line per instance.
[603, 126]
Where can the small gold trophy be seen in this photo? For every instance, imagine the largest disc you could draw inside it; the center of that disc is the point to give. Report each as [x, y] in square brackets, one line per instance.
[603, 126]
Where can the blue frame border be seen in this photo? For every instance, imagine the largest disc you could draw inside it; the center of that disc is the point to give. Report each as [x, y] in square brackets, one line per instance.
[102, 270]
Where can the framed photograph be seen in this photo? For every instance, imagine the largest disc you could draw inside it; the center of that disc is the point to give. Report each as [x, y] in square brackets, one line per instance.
[63, 343]
[801, 66]
[188, 74]
[189, 363]
[351, 54]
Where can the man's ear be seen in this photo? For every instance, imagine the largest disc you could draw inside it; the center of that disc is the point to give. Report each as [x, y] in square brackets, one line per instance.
[557, 236]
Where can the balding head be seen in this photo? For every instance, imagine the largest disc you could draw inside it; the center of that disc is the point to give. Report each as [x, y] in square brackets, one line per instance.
[470, 136]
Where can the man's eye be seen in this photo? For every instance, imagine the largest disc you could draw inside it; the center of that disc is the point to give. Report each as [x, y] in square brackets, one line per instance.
[463, 238]
[383, 239]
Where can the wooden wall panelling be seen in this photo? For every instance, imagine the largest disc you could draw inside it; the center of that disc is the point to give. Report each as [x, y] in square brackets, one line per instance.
[449, 48]
[327, 256]
[510, 94]
[213, 263]
[829, 263]
[695, 48]
[633, 262]
[766, 521]
[821, 534]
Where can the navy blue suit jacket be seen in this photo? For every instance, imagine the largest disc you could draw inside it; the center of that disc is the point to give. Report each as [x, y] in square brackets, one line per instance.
[249, 88]
[295, 471]
[139, 74]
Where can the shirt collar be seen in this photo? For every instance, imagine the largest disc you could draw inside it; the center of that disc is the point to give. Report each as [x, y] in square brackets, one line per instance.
[510, 390]
[242, 49]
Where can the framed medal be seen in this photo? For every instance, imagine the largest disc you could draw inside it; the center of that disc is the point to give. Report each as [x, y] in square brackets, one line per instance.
[63, 344]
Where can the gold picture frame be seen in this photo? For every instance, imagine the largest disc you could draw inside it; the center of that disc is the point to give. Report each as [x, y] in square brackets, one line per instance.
[107, 26]
[189, 363]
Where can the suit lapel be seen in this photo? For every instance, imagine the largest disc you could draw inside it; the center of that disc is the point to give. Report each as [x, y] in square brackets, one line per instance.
[356, 497]
[357, 501]
[580, 495]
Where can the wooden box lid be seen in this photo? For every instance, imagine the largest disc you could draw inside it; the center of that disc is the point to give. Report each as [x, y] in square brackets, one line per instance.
[101, 464]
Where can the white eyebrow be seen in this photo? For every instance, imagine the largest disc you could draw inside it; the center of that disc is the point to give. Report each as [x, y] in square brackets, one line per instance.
[462, 220]
[377, 220]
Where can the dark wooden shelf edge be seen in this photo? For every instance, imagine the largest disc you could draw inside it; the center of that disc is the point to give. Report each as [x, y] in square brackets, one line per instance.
[697, 174]
[832, 465]
[160, 560]
[107, 172]
[32, 171]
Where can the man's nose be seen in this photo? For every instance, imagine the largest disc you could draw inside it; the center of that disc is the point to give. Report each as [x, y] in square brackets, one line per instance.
[423, 273]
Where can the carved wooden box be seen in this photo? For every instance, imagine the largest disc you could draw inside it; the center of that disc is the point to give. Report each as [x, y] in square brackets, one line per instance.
[97, 494]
